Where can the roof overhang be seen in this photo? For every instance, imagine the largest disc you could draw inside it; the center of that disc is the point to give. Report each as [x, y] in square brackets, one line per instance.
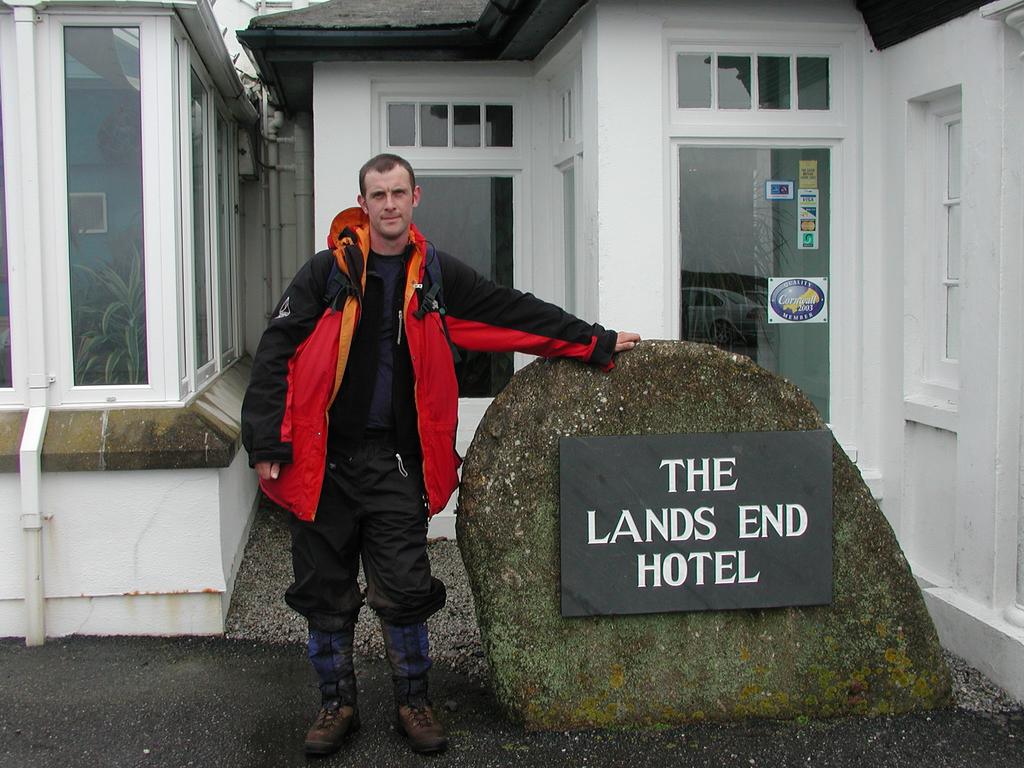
[513, 30]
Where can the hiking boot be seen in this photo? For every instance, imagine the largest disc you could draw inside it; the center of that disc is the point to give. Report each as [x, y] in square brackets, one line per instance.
[421, 729]
[333, 723]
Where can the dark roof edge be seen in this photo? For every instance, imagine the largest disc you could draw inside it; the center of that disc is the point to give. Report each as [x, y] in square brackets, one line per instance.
[314, 39]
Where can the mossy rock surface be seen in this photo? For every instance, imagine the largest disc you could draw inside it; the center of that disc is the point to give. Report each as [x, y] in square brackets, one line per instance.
[873, 651]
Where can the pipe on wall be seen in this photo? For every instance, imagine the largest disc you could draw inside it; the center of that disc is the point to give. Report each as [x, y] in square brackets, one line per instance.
[274, 124]
[30, 475]
[30, 229]
[304, 247]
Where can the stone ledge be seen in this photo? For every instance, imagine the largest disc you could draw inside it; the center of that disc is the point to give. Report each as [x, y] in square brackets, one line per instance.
[204, 434]
[12, 425]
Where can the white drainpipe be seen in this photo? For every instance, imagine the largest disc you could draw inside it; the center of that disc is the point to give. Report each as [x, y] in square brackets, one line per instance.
[303, 187]
[274, 204]
[30, 232]
[30, 474]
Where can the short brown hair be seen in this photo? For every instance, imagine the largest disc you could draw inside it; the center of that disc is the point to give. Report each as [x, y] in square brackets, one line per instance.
[382, 164]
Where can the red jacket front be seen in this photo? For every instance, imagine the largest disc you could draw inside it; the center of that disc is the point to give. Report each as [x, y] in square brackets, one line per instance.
[302, 359]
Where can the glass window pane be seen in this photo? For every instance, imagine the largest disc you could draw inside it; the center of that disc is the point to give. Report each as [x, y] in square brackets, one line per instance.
[6, 378]
[773, 82]
[225, 245]
[569, 236]
[197, 102]
[812, 82]
[471, 218]
[953, 243]
[401, 125]
[694, 80]
[953, 322]
[467, 125]
[953, 158]
[434, 125]
[499, 125]
[103, 121]
[734, 82]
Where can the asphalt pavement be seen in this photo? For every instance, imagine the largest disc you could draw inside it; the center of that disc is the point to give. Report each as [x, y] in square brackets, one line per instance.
[115, 702]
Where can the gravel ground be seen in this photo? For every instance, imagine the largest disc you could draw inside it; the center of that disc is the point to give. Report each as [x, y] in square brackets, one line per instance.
[258, 612]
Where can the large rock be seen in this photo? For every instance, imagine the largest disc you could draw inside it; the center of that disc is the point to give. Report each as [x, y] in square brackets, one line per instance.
[872, 651]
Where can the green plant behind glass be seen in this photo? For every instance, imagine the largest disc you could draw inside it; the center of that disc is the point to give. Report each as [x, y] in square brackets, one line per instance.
[109, 318]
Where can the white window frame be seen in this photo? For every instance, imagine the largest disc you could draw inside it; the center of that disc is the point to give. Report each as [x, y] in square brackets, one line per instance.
[230, 224]
[170, 324]
[834, 129]
[931, 380]
[567, 154]
[17, 393]
[718, 42]
[203, 374]
[154, 38]
[941, 367]
[193, 379]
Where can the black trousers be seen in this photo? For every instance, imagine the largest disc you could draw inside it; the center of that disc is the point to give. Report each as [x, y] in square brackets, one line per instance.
[372, 506]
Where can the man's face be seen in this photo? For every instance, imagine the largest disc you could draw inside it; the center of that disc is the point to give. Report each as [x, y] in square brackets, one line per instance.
[388, 203]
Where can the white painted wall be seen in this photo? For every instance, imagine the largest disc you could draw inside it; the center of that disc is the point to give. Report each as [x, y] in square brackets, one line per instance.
[143, 552]
[959, 465]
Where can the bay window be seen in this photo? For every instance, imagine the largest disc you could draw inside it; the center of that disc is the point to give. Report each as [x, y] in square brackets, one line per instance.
[143, 253]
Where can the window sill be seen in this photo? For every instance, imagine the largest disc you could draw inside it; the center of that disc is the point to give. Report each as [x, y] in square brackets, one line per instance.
[932, 412]
[206, 434]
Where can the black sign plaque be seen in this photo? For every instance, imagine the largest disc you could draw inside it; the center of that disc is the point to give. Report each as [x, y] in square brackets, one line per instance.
[696, 522]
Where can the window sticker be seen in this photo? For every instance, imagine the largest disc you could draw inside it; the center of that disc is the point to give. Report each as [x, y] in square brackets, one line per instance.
[797, 299]
[778, 190]
[808, 174]
[807, 219]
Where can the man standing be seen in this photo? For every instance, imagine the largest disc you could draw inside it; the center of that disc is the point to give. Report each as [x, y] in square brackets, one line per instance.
[350, 421]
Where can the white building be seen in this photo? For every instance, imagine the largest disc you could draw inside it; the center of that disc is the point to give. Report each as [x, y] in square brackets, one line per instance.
[610, 156]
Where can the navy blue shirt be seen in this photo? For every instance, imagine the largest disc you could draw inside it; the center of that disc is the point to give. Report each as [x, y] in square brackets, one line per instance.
[389, 270]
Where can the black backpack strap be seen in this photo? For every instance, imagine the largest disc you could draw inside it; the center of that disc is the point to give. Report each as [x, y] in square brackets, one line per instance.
[432, 296]
[339, 288]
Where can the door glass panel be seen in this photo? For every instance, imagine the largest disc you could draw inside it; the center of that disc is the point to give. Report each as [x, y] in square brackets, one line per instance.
[733, 238]
[470, 217]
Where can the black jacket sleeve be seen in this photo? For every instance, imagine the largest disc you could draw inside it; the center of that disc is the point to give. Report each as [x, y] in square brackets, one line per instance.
[293, 319]
[488, 317]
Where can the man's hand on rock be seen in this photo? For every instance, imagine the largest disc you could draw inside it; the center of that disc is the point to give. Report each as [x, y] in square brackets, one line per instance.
[269, 470]
[626, 341]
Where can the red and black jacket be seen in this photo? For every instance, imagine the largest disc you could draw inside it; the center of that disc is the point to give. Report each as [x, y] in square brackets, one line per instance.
[304, 355]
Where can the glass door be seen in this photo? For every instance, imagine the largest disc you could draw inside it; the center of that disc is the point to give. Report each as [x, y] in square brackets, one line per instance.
[749, 218]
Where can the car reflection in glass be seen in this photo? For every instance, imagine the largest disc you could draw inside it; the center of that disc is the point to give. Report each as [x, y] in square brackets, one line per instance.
[720, 316]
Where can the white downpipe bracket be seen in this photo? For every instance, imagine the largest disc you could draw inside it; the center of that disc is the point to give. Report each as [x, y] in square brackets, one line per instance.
[30, 474]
